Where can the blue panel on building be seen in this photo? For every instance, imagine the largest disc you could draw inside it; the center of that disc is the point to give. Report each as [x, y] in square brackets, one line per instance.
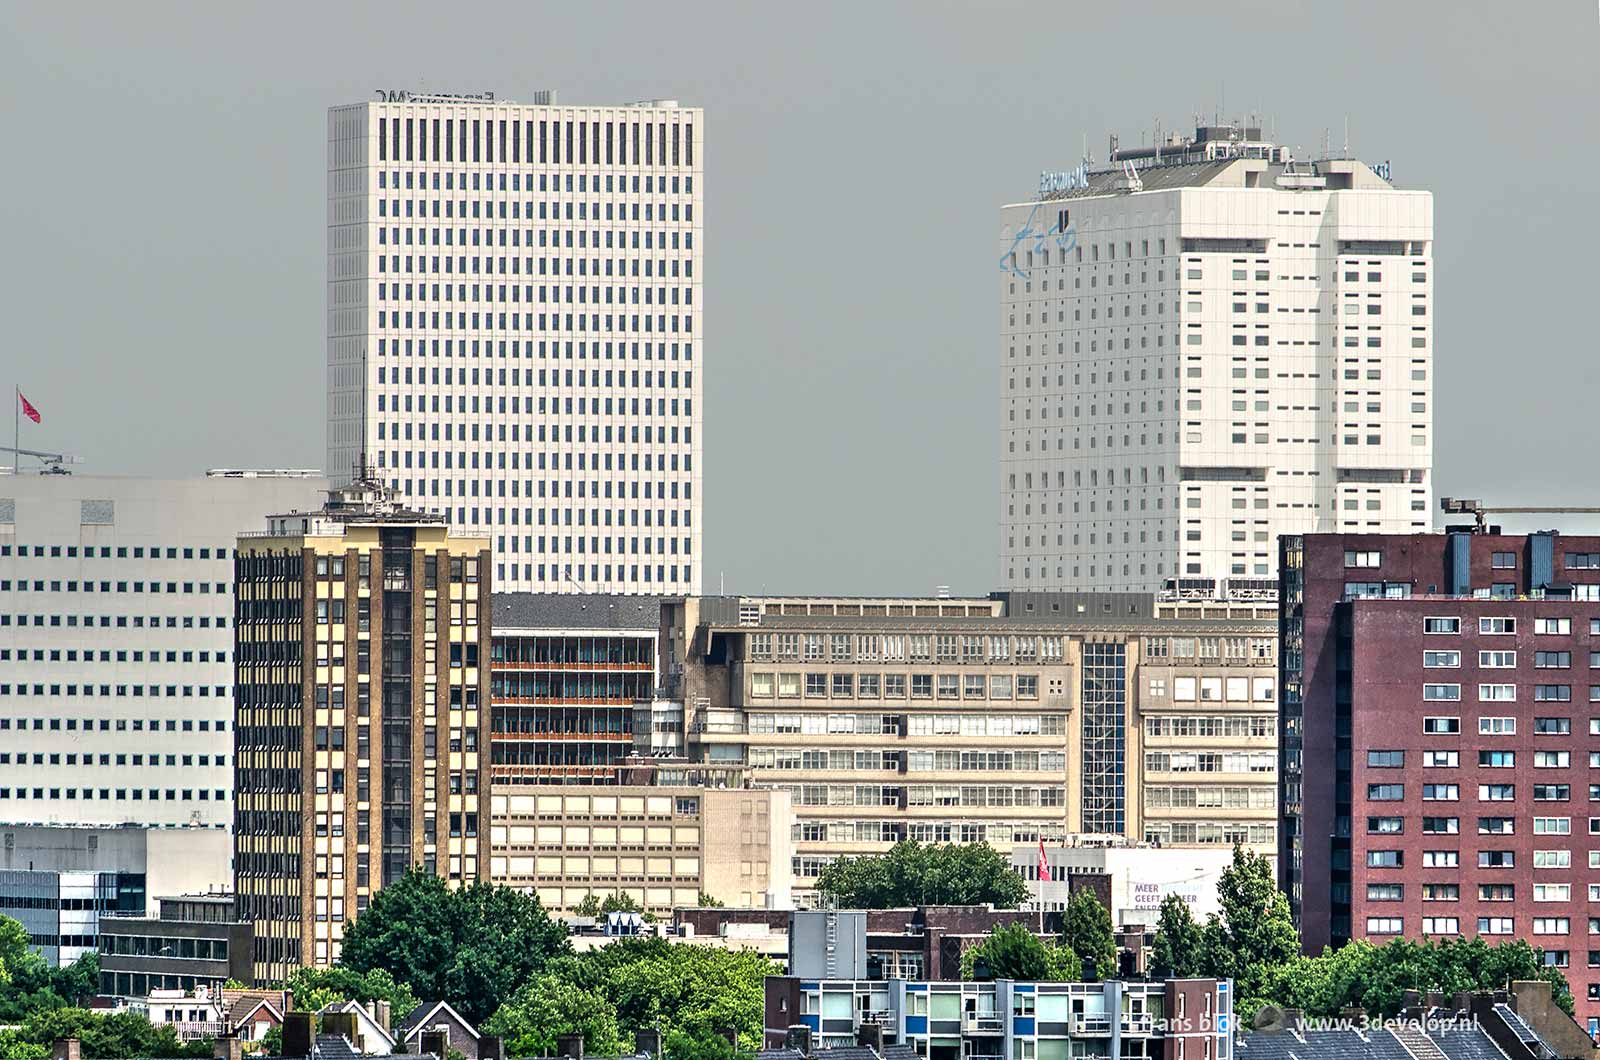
[812, 1021]
[1542, 561]
[916, 1025]
[1024, 988]
[1022, 1025]
[1460, 564]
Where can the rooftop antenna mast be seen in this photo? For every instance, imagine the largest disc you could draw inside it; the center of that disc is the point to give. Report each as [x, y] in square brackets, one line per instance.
[1346, 136]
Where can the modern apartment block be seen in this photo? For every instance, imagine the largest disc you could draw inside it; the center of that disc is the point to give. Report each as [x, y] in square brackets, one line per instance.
[192, 943]
[116, 676]
[1436, 766]
[362, 737]
[1006, 721]
[1172, 1019]
[514, 328]
[1204, 345]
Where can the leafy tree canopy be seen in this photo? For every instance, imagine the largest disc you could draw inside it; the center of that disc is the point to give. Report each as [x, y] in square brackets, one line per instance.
[104, 1035]
[1013, 952]
[911, 874]
[1087, 931]
[688, 992]
[316, 988]
[472, 946]
[27, 982]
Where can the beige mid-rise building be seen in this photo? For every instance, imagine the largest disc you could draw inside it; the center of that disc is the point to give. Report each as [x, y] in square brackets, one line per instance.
[662, 845]
[1013, 720]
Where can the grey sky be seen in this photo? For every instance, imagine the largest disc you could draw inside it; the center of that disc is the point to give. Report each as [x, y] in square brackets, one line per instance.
[162, 212]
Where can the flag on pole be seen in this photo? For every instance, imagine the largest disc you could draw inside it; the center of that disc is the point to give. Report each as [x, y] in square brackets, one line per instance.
[27, 408]
[1044, 863]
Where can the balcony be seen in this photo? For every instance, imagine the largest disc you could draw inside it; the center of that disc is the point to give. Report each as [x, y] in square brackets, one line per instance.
[1091, 1026]
[982, 1023]
[1138, 1023]
[190, 1032]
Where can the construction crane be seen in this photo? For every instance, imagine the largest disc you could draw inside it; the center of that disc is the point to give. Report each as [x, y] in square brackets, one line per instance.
[54, 463]
[1477, 509]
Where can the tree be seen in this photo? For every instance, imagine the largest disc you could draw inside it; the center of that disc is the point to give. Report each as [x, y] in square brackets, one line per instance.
[911, 874]
[616, 902]
[14, 949]
[103, 1036]
[1177, 945]
[1013, 952]
[708, 901]
[690, 993]
[1087, 931]
[1255, 932]
[549, 1007]
[316, 988]
[474, 946]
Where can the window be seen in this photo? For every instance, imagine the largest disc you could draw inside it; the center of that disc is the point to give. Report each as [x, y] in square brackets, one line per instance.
[1552, 859]
[1384, 925]
[1496, 792]
[1441, 625]
[1552, 726]
[1553, 626]
[1497, 694]
[1441, 792]
[1552, 826]
[1497, 625]
[1494, 925]
[1441, 826]
[1552, 660]
[1552, 892]
[1441, 925]
[1503, 561]
[1551, 925]
[1386, 792]
[1497, 726]
[1441, 726]
[1385, 825]
[1498, 660]
[1385, 859]
[1386, 759]
[1441, 693]
[1386, 892]
[1354, 558]
[1441, 859]
[1435, 660]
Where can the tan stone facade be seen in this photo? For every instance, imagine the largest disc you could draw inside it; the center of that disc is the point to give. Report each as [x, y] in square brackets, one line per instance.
[1007, 721]
[362, 720]
[662, 846]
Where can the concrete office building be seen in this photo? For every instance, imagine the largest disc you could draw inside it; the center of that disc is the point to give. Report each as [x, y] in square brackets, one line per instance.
[514, 326]
[663, 845]
[62, 883]
[194, 942]
[362, 628]
[1205, 345]
[1006, 721]
[573, 686]
[1437, 768]
[116, 641]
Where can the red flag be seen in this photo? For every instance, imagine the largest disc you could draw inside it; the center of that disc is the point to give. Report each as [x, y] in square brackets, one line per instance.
[1044, 863]
[27, 408]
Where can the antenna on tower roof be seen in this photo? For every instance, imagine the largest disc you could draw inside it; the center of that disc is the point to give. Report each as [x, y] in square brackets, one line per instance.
[1346, 136]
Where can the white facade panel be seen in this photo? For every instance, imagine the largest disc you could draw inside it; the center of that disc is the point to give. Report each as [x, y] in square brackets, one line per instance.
[515, 329]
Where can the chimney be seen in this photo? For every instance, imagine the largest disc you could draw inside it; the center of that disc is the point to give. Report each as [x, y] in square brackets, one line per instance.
[380, 1014]
[871, 1036]
[570, 1046]
[434, 1043]
[297, 1033]
[227, 1046]
[646, 1041]
[491, 1047]
[798, 1038]
[66, 1049]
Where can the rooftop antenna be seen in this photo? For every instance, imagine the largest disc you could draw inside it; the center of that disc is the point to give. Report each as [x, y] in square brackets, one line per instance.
[1346, 136]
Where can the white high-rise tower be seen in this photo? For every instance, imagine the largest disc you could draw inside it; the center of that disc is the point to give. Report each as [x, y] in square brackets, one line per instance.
[514, 328]
[1204, 346]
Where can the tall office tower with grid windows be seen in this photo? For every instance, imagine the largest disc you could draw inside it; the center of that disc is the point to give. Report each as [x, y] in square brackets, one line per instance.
[1203, 346]
[514, 328]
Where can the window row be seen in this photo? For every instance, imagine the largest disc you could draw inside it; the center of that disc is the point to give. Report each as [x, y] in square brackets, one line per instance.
[893, 686]
[893, 647]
